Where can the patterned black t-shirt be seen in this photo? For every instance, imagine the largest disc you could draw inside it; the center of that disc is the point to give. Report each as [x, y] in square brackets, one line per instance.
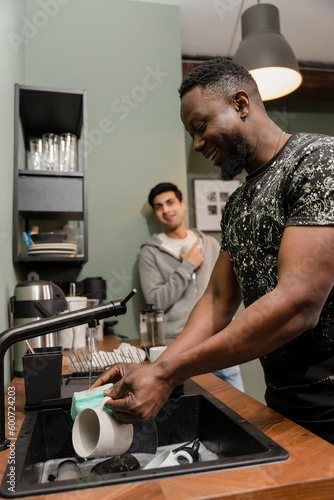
[295, 188]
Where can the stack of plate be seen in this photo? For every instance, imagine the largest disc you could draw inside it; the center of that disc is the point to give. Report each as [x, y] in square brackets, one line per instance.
[53, 250]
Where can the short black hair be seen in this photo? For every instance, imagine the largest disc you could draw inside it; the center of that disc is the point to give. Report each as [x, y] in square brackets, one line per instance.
[163, 187]
[222, 76]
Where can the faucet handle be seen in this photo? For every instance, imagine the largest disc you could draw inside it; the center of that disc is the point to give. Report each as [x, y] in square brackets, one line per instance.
[128, 297]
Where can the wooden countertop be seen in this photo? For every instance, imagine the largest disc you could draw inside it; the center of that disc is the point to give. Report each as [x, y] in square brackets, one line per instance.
[308, 474]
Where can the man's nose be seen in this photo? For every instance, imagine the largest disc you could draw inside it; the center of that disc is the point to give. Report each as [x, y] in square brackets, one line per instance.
[198, 144]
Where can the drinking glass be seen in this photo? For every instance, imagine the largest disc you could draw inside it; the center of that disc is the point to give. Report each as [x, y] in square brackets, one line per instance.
[50, 157]
[68, 153]
[36, 152]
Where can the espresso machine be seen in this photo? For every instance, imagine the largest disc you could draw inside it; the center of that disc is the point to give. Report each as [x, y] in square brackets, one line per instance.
[35, 300]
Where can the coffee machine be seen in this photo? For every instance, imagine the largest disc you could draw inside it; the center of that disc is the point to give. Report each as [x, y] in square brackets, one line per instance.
[35, 300]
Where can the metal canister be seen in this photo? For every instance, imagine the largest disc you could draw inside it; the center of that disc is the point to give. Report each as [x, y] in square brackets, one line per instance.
[34, 300]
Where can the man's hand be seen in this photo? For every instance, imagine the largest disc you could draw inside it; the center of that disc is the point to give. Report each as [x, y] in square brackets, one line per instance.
[195, 255]
[138, 392]
[115, 373]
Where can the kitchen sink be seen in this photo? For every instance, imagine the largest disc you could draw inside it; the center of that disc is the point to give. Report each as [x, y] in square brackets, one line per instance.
[191, 413]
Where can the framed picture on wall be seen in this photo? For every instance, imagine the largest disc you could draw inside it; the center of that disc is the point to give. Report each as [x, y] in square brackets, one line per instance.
[210, 197]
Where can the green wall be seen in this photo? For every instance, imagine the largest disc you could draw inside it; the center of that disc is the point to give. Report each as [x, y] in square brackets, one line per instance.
[12, 70]
[127, 56]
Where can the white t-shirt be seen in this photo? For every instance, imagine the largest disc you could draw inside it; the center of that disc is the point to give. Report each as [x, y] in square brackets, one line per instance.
[175, 246]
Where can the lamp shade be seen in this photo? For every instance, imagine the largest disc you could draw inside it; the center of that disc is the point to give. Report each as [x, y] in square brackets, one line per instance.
[266, 54]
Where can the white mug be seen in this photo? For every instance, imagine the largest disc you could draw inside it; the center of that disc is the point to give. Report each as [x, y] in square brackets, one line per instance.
[168, 459]
[156, 351]
[96, 433]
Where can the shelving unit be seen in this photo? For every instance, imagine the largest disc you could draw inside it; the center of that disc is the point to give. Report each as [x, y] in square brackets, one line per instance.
[48, 198]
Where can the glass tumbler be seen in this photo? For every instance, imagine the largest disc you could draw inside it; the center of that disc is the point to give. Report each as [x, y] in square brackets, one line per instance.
[36, 152]
[68, 153]
[50, 157]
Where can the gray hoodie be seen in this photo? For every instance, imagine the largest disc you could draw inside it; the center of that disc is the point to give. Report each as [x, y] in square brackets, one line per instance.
[172, 284]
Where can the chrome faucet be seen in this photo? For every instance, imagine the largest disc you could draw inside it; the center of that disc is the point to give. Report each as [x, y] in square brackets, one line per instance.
[90, 315]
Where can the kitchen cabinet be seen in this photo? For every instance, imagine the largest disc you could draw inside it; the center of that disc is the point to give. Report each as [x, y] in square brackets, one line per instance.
[49, 199]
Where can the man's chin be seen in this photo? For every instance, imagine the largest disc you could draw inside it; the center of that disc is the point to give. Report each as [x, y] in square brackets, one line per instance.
[227, 174]
[170, 226]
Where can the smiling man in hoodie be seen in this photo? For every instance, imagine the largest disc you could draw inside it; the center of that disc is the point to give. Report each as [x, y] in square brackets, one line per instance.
[175, 266]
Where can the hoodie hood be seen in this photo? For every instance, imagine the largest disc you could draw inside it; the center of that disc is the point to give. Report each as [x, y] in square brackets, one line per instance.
[154, 240]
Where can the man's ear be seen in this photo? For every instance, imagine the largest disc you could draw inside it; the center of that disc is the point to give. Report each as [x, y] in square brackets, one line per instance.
[241, 103]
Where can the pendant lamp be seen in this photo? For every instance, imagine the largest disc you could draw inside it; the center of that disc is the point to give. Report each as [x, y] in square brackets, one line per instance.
[266, 54]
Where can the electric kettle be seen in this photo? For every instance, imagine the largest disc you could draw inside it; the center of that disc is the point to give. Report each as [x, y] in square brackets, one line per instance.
[34, 300]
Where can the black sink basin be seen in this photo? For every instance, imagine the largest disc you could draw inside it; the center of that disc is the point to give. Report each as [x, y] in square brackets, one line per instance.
[228, 440]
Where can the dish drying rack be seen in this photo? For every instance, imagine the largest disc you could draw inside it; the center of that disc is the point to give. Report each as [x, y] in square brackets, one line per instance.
[101, 360]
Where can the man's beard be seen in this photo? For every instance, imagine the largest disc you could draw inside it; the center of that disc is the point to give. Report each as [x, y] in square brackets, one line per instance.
[240, 154]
